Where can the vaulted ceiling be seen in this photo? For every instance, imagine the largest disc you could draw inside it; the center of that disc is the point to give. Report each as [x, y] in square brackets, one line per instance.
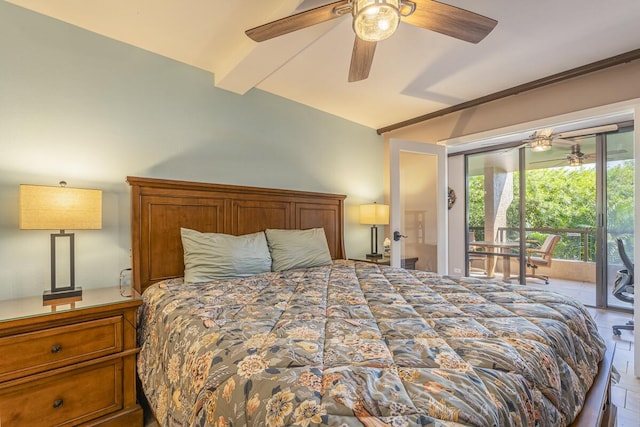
[414, 72]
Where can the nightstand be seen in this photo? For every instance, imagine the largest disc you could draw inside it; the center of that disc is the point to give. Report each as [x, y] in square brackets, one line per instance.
[69, 364]
[409, 263]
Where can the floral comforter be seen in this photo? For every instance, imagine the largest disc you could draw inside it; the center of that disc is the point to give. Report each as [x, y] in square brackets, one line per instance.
[356, 344]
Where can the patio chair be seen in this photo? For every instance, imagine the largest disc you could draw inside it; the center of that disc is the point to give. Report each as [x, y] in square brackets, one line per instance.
[542, 257]
[623, 286]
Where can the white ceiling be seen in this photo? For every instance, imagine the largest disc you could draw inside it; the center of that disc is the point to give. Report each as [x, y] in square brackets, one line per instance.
[414, 72]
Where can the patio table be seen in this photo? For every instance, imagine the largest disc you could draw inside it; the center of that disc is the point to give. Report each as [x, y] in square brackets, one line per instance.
[497, 249]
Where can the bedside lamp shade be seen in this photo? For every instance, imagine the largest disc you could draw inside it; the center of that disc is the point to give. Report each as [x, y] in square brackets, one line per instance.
[374, 215]
[60, 208]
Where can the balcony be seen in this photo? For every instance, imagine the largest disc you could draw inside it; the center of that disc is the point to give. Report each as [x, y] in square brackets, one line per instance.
[572, 272]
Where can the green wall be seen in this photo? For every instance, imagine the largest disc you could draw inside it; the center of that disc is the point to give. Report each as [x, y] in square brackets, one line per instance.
[83, 108]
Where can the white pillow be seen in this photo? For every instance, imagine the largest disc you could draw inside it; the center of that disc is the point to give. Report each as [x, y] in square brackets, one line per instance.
[298, 248]
[209, 256]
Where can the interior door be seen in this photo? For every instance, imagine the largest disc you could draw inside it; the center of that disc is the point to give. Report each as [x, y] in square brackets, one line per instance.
[418, 205]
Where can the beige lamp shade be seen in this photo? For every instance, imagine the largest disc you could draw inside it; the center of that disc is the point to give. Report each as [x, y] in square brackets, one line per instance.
[59, 208]
[374, 214]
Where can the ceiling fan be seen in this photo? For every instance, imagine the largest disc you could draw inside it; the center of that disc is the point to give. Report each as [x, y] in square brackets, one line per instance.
[577, 157]
[543, 139]
[376, 20]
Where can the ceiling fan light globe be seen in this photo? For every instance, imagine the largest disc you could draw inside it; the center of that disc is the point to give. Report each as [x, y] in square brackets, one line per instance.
[372, 10]
[540, 144]
[575, 161]
[375, 20]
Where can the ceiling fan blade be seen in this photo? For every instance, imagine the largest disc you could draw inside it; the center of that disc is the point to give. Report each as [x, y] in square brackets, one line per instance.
[556, 162]
[450, 20]
[295, 22]
[361, 59]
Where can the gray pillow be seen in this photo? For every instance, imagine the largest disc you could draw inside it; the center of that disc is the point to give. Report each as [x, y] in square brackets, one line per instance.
[209, 256]
[298, 248]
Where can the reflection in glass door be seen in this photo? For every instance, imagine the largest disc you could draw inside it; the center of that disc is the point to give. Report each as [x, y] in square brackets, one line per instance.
[418, 206]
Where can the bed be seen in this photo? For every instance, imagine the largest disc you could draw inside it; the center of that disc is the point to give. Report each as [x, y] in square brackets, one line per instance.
[345, 343]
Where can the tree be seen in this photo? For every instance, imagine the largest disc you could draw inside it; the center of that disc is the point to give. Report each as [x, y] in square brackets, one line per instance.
[565, 198]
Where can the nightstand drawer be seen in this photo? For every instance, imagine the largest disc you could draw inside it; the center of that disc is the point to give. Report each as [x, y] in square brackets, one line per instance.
[29, 353]
[67, 398]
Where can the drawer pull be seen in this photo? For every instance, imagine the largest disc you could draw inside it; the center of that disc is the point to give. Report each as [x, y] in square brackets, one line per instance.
[56, 349]
[58, 403]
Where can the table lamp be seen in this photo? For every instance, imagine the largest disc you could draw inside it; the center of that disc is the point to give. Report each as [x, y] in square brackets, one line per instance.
[60, 208]
[374, 215]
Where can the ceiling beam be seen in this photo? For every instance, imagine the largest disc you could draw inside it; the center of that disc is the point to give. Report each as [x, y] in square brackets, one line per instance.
[545, 81]
[254, 63]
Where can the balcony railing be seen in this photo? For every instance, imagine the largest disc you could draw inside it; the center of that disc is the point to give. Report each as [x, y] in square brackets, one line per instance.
[575, 243]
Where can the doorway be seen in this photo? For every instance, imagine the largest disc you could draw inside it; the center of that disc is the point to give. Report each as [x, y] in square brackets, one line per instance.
[581, 190]
[418, 190]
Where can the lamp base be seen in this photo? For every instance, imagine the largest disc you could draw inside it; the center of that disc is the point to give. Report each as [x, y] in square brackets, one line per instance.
[374, 256]
[68, 293]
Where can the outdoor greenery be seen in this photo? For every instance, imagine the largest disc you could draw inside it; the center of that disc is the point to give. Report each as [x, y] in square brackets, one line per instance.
[564, 198]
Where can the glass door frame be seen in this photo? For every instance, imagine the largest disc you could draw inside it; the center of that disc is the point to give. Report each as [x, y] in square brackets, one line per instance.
[522, 214]
[602, 287]
[604, 294]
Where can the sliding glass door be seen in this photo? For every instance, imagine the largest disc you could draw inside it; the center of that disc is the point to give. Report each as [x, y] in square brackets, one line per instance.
[552, 218]
[561, 200]
[493, 202]
[619, 171]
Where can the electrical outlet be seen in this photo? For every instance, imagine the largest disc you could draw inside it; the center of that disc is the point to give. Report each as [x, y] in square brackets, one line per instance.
[457, 270]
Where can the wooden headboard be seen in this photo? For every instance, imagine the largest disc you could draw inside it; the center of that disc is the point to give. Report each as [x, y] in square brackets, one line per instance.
[160, 207]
